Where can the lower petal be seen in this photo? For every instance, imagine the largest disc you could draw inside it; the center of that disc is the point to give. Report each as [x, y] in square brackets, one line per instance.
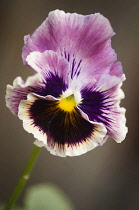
[62, 133]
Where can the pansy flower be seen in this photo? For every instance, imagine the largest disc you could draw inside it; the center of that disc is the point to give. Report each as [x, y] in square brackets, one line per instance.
[71, 103]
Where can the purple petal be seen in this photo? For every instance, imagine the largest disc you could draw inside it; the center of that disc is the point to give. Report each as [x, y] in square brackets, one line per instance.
[111, 78]
[47, 63]
[76, 38]
[117, 70]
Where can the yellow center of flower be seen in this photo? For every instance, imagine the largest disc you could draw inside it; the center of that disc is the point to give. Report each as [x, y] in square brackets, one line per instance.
[67, 104]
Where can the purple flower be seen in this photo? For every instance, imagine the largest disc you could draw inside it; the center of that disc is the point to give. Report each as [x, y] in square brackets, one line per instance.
[71, 104]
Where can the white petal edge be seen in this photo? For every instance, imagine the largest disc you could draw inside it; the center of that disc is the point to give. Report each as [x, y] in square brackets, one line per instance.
[81, 148]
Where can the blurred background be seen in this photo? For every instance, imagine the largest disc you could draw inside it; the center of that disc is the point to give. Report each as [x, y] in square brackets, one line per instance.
[104, 178]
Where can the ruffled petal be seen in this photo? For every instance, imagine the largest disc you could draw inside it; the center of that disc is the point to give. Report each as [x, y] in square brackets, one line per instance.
[76, 38]
[20, 90]
[103, 107]
[102, 82]
[62, 133]
[117, 70]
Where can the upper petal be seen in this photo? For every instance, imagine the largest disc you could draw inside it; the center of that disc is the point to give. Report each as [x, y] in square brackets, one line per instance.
[74, 36]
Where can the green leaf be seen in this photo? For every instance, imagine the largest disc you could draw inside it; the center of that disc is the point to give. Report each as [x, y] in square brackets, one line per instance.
[46, 197]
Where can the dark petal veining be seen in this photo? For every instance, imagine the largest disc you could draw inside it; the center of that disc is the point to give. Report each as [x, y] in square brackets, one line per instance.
[94, 104]
[63, 127]
[54, 85]
[103, 107]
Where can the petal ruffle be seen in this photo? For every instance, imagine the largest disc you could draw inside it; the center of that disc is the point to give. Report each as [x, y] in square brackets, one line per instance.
[107, 80]
[20, 90]
[62, 133]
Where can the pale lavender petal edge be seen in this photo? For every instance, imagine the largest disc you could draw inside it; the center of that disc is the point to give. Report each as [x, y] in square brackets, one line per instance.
[19, 91]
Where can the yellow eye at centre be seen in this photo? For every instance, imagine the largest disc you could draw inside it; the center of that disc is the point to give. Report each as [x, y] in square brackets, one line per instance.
[67, 104]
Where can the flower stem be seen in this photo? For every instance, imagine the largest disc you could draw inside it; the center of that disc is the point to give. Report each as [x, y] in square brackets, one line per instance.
[24, 178]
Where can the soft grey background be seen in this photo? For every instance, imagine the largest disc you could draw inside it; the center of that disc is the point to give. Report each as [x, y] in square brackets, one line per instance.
[105, 178]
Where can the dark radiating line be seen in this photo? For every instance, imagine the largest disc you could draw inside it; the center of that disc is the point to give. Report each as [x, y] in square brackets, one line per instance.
[72, 70]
